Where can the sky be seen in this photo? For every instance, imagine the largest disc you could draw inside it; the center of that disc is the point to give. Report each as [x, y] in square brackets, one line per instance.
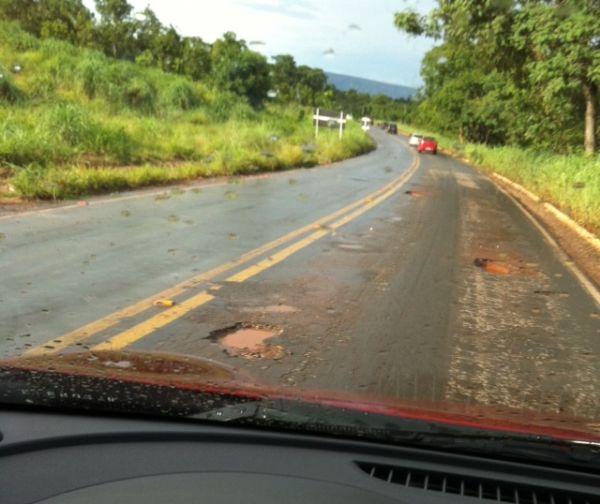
[353, 37]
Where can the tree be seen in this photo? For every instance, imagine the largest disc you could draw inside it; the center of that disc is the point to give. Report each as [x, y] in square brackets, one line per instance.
[539, 59]
[236, 68]
[116, 30]
[311, 82]
[62, 19]
[196, 58]
[285, 78]
[564, 43]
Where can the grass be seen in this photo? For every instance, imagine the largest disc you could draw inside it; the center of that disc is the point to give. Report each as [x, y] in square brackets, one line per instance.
[571, 182]
[231, 149]
[74, 122]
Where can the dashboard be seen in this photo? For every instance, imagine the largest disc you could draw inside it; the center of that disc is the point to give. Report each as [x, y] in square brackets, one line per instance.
[54, 458]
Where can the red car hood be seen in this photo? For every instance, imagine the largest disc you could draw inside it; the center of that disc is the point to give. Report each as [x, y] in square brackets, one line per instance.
[204, 376]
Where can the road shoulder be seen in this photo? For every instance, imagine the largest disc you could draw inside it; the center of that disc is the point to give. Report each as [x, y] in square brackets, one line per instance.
[579, 249]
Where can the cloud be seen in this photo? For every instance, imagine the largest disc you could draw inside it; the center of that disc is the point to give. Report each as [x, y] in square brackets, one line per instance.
[300, 9]
[353, 27]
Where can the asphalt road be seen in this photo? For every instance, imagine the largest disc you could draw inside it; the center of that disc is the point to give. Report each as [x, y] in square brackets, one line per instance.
[393, 274]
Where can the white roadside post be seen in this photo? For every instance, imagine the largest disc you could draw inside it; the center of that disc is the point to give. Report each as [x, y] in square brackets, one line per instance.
[329, 119]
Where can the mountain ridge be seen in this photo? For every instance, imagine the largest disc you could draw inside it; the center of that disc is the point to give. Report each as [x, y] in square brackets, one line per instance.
[347, 82]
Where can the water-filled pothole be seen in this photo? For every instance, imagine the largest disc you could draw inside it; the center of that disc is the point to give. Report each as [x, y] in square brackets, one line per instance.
[248, 340]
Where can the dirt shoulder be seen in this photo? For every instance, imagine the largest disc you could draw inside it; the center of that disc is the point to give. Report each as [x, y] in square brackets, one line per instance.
[580, 250]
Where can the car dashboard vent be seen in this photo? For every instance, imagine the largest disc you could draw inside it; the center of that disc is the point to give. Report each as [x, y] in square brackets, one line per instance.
[482, 489]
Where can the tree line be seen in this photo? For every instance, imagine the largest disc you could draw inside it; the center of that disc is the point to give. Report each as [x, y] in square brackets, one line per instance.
[228, 64]
[521, 72]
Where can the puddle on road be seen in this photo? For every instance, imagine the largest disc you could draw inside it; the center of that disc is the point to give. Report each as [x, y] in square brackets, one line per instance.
[248, 341]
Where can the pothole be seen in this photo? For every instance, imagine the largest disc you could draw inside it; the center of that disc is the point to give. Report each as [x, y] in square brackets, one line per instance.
[415, 194]
[248, 340]
[491, 266]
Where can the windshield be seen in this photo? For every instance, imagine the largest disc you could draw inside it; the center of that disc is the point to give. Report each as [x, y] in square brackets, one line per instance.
[230, 201]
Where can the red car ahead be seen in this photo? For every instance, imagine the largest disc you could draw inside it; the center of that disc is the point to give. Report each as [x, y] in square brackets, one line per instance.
[428, 144]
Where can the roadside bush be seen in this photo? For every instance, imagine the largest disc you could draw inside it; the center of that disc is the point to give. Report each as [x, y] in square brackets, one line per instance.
[69, 123]
[11, 35]
[115, 143]
[140, 95]
[229, 106]
[181, 95]
[9, 92]
[42, 87]
[88, 73]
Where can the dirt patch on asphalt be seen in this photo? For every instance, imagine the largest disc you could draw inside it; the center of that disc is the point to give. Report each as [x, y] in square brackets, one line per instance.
[502, 262]
[579, 250]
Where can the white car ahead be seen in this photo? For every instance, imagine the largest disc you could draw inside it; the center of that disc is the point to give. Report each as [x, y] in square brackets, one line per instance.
[415, 140]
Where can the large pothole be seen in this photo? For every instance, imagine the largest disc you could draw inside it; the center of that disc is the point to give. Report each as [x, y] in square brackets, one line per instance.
[249, 341]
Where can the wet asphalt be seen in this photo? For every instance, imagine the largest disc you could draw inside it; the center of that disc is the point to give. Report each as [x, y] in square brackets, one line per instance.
[444, 291]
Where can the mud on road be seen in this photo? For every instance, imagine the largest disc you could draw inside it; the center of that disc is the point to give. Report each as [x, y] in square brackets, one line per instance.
[446, 293]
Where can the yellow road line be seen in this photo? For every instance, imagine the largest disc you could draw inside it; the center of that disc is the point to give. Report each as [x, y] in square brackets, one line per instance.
[113, 319]
[257, 268]
[152, 324]
[147, 327]
[277, 258]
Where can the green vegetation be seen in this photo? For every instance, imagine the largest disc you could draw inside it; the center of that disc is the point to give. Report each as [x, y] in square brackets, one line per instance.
[511, 72]
[74, 121]
[513, 86]
[569, 181]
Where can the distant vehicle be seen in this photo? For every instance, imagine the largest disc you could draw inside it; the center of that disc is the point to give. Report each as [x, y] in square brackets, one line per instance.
[393, 129]
[428, 144]
[366, 123]
[415, 140]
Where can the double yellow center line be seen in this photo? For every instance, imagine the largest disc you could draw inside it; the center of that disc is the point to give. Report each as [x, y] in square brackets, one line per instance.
[319, 228]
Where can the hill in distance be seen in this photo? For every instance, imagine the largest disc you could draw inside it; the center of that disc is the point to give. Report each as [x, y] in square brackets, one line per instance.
[348, 82]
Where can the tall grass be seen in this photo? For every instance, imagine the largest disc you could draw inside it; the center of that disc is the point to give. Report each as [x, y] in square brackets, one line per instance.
[251, 151]
[569, 181]
[76, 122]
